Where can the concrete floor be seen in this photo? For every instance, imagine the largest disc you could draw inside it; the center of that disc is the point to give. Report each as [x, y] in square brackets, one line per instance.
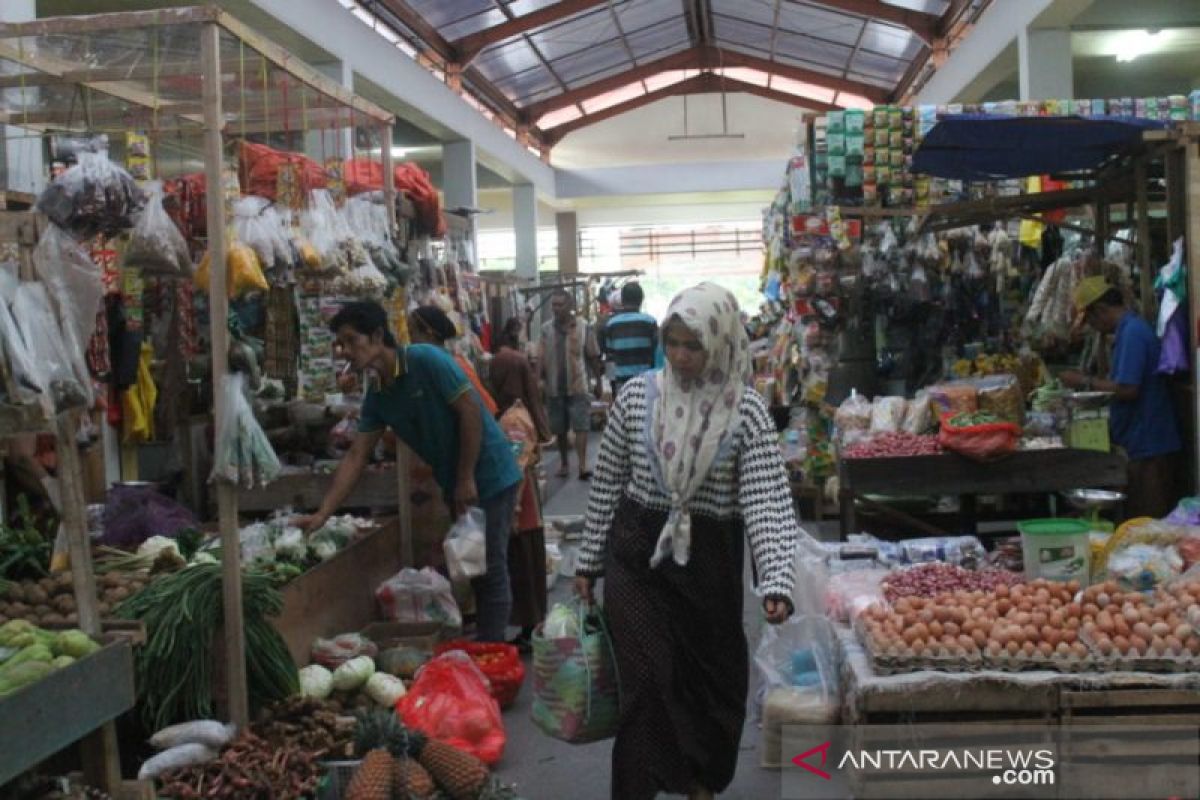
[546, 769]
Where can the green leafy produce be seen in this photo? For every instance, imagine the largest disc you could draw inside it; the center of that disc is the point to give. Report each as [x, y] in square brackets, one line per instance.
[967, 420]
[24, 550]
[183, 612]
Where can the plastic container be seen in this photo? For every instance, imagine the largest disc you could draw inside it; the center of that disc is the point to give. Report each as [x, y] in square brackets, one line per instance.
[1056, 549]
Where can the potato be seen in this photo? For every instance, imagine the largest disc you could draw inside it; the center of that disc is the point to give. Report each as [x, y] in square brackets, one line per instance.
[46, 585]
[54, 619]
[63, 584]
[118, 594]
[103, 608]
[42, 610]
[71, 619]
[64, 603]
[19, 610]
[16, 593]
[37, 596]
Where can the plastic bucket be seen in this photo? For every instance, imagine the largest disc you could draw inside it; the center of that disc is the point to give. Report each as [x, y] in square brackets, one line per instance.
[1056, 549]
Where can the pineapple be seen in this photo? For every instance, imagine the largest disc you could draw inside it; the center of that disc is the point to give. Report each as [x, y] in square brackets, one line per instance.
[411, 781]
[373, 781]
[461, 775]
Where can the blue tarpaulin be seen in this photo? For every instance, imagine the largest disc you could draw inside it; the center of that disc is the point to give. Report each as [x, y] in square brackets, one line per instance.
[985, 147]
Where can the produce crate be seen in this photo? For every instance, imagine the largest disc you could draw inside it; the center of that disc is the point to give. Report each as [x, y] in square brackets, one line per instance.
[338, 595]
[65, 706]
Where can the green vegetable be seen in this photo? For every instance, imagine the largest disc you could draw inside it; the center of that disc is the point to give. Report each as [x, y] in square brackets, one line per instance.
[25, 550]
[62, 661]
[74, 643]
[22, 675]
[35, 652]
[316, 681]
[183, 612]
[967, 420]
[353, 674]
[9, 631]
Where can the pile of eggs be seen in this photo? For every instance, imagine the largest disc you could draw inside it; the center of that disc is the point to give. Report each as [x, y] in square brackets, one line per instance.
[1131, 625]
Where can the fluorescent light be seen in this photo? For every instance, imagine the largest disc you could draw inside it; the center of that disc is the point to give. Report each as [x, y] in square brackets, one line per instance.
[399, 152]
[1131, 44]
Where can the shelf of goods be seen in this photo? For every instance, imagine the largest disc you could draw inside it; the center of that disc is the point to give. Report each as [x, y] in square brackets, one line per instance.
[65, 707]
[1032, 471]
[338, 595]
[978, 708]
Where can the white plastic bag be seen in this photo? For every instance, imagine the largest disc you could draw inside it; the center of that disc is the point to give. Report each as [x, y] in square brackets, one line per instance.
[418, 596]
[887, 414]
[185, 755]
[94, 196]
[76, 291]
[43, 338]
[242, 454]
[466, 546]
[156, 246]
[798, 666]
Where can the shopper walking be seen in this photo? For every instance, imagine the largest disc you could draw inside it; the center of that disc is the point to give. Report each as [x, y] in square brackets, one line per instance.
[689, 466]
[1141, 417]
[522, 419]
[570, 360]
[629, 339]
[431, 325]
[422, 395]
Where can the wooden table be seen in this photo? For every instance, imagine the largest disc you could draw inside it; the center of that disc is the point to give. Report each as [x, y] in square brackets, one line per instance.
[1024, 472]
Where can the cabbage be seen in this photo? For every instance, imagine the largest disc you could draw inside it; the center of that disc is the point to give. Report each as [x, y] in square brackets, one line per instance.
[155, 545]
[316, 681]
[385, 689]
[74, 643]
[353, 674]
[290, 545]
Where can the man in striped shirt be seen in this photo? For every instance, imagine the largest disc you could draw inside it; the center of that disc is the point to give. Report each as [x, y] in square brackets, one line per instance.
[629, 339]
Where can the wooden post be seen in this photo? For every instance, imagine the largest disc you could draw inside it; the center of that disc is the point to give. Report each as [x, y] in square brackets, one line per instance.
[1149, 307]
[1191, 223]
[218, 303]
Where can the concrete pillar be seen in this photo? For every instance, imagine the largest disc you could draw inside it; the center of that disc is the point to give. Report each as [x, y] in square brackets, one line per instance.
[21, 150]
[568, 242]
[458, 170]
[1044, 64]
[525, 226]
[321, 144]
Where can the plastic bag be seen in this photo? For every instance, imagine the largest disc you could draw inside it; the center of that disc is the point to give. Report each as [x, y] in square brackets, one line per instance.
[43, 338]
[332, 653]
[918, 415]
[418, 596]
[1186, 512]
[985, 442]
[326, 230]
[887, 414]
[466, 546]
[850, 593]
[954, 398]
[364, 280]
[499, 662]
[575, 682]
[156, 246]
[95, 196]
[1001, 395]
[76, 290]
[31, 381]
[242, 453]
[242, 268]
[797, 666]
[450, 702]
[853, 418]
[1142, 567]
[257, 224]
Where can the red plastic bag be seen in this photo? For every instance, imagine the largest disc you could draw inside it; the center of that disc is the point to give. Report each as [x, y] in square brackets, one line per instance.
[451, 702]
[500, 663]
[986, 442]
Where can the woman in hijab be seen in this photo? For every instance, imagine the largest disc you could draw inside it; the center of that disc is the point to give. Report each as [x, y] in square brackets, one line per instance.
[430, 325]
[689, 466]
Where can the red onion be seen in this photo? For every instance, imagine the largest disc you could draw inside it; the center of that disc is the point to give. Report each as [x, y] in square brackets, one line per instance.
[934, 578]
[894, 445]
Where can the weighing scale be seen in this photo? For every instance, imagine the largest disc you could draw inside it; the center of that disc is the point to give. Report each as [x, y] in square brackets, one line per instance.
[1091, 502]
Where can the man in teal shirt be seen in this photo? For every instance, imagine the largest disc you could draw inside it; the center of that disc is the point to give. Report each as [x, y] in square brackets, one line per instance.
[427, 401]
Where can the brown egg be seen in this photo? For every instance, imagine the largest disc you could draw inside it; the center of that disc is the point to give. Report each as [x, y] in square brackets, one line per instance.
[1070, 635]
[1029, 648]
[1138, 644]
[1051, 636]
[980, 637]
[1121, 644]
[935, 629]
[1174, 645]
[1078, 650]
[1031, 633]
[1091, 609]
[1105, 646]
[1063, 649]
[1013, 648]
[1142, 630]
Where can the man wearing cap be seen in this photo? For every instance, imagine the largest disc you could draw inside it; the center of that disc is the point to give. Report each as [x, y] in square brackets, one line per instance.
[1141, 417]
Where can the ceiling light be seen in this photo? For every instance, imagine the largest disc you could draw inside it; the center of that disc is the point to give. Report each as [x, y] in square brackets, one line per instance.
[1131, 44]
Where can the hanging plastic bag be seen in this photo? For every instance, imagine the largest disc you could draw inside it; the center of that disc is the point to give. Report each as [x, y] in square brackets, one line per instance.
[76, 291]
[418, 596]
[156, 246]
[450, 702]
[466, 546]
[243, 455]
[95, 196]
[243, 270]
[43, 339]
[576, 687]
[31, 381]
[257, 224]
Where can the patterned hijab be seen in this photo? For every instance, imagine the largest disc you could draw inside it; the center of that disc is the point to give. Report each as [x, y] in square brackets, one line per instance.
[691, 418]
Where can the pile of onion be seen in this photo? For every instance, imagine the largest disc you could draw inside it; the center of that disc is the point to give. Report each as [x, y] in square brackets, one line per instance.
[937, 577]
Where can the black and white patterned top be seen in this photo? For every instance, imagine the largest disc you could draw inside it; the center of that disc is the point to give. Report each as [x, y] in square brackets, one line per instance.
[747, 481]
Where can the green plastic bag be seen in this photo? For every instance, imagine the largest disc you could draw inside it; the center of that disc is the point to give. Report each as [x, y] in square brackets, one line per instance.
[576, 686]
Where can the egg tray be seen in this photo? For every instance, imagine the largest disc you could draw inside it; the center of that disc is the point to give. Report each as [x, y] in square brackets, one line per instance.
[1120, 663]
[884, 664]
[1024, 663]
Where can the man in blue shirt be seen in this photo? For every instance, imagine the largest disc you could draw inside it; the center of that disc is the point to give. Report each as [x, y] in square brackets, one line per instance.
[428, 402]
[1141, 418]
[629, 339]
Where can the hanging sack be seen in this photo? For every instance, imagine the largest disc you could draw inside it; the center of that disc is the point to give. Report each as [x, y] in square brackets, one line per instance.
[466, 546]
[576, 688]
